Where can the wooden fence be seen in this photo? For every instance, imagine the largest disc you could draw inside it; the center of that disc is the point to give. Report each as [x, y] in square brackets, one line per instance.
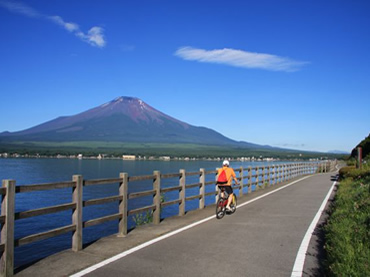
[250, 179]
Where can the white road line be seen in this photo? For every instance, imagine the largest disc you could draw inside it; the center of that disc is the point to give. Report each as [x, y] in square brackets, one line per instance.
[141, 246]
[301, 255]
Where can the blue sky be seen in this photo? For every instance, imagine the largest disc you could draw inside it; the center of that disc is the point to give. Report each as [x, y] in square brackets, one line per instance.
[289, 73]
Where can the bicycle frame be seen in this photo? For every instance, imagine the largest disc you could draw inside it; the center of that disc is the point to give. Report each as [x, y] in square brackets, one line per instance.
[222, 203]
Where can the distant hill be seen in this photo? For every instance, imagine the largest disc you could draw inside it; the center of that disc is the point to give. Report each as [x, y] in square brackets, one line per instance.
[124, 119]
[338, 152]
[365, 144]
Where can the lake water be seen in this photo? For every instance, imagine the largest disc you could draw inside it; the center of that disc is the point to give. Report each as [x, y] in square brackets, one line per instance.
[37, 171]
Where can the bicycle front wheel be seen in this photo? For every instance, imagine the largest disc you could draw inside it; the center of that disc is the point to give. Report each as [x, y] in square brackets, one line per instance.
[220, 209]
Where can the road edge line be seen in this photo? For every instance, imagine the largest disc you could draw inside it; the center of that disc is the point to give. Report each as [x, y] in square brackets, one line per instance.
[301, 255]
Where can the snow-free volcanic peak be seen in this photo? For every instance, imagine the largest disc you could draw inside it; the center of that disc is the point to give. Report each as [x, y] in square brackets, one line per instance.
[136, 109]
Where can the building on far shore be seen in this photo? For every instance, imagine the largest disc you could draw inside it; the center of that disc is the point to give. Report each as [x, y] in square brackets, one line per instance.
[165, 158]
[128, 157]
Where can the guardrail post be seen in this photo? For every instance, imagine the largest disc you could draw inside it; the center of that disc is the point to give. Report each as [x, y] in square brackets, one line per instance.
[77, 213]
[123, 207]
[7, 229]
[182, 193]
[157, 197]
[202, 188]
[241, 183]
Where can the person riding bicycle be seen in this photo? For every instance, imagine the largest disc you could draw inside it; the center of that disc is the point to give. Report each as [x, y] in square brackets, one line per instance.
[230, 176]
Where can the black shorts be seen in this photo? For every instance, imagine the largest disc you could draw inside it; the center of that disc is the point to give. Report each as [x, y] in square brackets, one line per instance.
[228, 189]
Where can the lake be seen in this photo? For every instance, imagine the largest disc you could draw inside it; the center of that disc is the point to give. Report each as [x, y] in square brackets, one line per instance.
[37, 171]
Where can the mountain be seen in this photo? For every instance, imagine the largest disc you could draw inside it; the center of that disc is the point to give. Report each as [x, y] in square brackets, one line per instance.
[124, 119]
[338, 152]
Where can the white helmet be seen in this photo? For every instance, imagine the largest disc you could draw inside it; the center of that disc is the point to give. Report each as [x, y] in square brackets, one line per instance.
[226, 162]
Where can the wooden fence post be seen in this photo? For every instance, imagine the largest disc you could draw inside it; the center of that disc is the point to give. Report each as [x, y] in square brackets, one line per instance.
[295, 170]
[182, 193]
[241, 175]
[280, 174]
[286, 172]
[157, 197]
[250, 179]
[268, 176]
[359, 157]
[77, 213]
[202, 188]
[216, 187]
[257, 178]
[7, 229]
[123, 207]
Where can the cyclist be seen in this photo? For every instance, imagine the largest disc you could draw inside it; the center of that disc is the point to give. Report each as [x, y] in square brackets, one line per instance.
[226, 183]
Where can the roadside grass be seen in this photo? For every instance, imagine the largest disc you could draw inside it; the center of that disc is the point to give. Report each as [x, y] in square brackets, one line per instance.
[347, 233]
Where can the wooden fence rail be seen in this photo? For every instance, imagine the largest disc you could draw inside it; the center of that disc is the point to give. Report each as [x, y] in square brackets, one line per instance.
[250, 178]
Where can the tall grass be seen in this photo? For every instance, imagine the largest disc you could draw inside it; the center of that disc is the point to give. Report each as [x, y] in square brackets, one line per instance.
[347, 233]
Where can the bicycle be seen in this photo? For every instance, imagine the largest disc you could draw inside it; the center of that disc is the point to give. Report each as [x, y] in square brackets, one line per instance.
[222, 203]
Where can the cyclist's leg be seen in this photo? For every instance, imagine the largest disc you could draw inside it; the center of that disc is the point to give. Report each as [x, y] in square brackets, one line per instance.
[221, 191]
[230, 199]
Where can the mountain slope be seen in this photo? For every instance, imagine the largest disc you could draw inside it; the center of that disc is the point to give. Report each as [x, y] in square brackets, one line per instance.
[125, 119]
[365, 145]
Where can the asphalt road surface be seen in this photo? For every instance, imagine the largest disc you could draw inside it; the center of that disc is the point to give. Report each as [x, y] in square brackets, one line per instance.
[260, 239]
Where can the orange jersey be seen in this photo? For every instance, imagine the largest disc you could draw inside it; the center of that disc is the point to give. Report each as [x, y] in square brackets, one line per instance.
[230, 174]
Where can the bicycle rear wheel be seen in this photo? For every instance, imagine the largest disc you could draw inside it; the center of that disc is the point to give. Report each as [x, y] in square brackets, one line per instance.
[220, 209]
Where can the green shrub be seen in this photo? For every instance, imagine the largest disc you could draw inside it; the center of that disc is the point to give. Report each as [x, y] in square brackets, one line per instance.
[143, 218]
[347, 233]
[344, 171]
[352, 162]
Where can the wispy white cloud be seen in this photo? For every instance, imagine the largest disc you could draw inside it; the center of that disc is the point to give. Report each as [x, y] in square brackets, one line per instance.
[95, 36]
[240, 58]
[69, 26]
[18, 7]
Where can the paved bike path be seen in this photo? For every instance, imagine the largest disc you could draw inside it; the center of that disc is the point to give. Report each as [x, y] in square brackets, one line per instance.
[260, 239]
